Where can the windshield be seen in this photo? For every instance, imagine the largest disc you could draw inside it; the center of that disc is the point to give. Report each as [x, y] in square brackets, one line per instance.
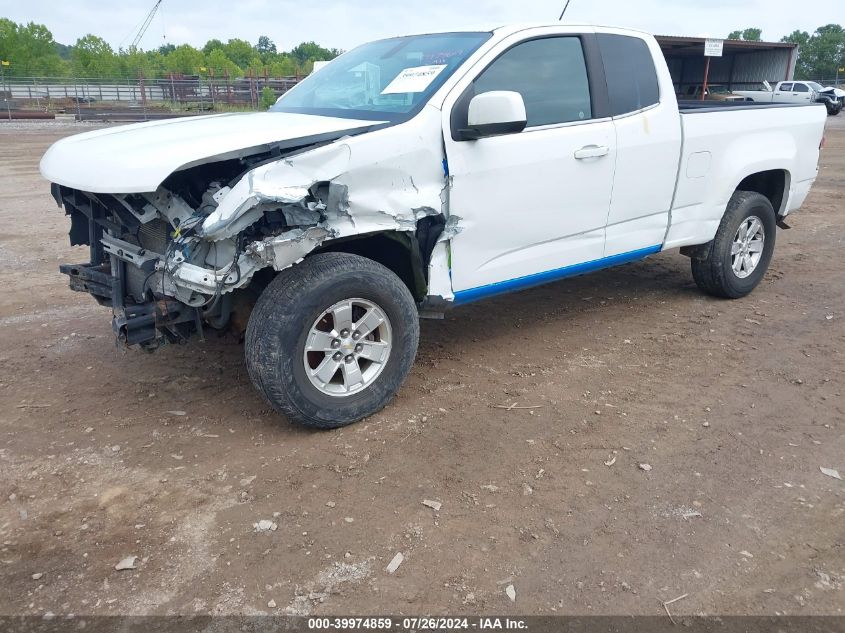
[385, 80]
[814, 86]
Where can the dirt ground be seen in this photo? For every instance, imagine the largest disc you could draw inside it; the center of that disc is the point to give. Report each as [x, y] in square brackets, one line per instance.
[172, 457]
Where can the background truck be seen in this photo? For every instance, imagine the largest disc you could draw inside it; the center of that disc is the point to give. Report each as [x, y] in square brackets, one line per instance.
[411, 175]
[800, 92]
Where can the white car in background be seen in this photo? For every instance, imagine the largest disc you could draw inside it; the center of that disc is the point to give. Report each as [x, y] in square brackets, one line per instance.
[801, 92]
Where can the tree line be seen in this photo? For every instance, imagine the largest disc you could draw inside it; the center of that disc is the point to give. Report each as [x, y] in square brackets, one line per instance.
[819, 54]
[28, 50]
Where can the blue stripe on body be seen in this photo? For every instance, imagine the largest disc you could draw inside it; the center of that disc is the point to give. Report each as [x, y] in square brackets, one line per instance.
[537, 279]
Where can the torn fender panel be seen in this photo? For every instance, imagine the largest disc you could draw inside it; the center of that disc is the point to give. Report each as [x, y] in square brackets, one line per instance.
[289, 248]
[439, 272]
[285, 181]
[383, 180]
[280, 252]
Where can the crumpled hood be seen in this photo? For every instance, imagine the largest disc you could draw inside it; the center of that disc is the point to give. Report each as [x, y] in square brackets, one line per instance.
[137, 158]
[836, 92]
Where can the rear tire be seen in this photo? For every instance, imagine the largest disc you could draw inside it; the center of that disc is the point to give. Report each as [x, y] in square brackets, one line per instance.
[315, 330]
[734, 262]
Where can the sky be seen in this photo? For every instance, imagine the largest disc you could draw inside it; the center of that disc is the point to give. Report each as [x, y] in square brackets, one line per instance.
[338, 24]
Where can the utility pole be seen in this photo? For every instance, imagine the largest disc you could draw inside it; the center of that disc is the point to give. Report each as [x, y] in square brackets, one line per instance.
[6, 94]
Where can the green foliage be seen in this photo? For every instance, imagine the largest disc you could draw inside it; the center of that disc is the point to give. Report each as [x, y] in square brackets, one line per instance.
[803, 66]
[282, 66]
[29, 49]
[63, 50]
[752, 35]
[240, 52]
[210, 45]
[819, 54]
[184, 59]
[93, 57]
[265, 46]
[135, 63]
[749, 35]
[268, 97]
[311, 51]
[218, 64]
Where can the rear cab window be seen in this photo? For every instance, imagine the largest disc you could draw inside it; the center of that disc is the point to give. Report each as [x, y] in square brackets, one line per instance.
[631, 76]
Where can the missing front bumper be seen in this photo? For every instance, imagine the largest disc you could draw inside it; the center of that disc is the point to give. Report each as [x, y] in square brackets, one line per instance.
[147, 324]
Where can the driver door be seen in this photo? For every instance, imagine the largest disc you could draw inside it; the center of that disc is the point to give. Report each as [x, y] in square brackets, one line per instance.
[532, 205]
[801, 93]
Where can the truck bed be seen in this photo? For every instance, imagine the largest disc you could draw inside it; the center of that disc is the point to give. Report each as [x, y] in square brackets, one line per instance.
[721, 106]
[733, 141]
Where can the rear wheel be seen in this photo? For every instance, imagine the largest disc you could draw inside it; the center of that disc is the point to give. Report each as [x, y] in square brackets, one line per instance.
[735, 261]
[332, 339]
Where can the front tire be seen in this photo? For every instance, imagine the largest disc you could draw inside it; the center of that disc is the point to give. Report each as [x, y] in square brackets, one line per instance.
[331, 340]
[734, 263]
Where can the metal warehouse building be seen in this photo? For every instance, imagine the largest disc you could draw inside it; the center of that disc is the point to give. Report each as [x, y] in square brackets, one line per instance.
[742, 66]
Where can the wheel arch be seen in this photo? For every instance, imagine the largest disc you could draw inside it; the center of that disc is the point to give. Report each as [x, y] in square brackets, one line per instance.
[772, 183]
[406, 253]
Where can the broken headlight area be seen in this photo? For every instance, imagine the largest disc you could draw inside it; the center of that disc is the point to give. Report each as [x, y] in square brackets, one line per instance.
[164, 279]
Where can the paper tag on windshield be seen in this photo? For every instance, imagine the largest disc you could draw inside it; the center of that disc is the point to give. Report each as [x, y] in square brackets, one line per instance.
[415, 79]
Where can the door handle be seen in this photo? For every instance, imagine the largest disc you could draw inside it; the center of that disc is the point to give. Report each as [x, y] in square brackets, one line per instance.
[592, 151]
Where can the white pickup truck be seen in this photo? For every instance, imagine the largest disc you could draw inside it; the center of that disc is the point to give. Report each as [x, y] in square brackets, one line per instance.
[801, 92]
[411, 175]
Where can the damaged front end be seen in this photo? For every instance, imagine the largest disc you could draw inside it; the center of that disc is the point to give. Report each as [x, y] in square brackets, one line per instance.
[151, 263]
[198, 251]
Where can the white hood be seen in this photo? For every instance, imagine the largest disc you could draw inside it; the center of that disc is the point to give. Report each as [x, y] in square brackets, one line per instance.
[137, 158]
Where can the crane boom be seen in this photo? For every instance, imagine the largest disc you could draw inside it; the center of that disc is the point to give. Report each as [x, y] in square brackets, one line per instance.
[145, 25]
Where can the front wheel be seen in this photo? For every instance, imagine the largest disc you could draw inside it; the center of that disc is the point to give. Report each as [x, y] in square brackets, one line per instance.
[331, 340]
[735, 261]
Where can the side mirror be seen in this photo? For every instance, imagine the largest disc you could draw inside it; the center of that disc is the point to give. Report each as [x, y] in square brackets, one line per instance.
[494, 113]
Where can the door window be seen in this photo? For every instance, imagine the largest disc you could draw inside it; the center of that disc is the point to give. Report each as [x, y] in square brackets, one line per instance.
[800, 88]
[786, 87]
[631, 77]
[549, 73]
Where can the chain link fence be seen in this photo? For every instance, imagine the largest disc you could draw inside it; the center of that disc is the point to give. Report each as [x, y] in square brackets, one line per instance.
[836, 82]
[139, 98]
